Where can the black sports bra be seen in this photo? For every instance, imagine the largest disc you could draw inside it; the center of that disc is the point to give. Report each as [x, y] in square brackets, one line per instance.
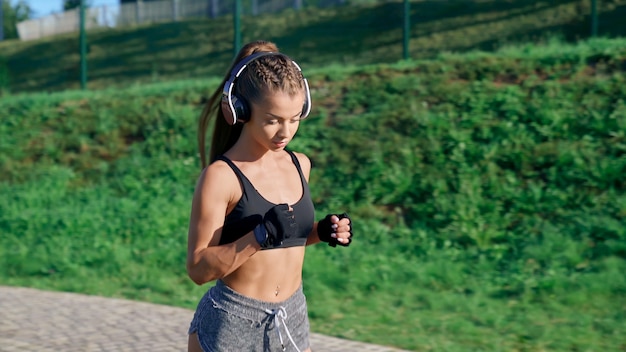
[252, 206]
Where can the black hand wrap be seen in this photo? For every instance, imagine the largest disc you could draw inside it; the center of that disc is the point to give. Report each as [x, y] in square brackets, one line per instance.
[278, 224]
[325, 229]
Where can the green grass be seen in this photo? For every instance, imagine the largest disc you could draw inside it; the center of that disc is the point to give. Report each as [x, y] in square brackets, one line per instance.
[486, 189]
[345, 35]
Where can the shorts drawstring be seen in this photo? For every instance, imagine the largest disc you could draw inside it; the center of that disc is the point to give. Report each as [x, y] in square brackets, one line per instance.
[280, 316]
[256, 320]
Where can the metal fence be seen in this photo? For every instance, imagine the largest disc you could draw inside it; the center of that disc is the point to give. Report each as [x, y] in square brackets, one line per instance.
[318, 33]
[131, 14]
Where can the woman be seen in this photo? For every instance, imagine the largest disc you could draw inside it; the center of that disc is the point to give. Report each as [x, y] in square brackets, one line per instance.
[252, 213]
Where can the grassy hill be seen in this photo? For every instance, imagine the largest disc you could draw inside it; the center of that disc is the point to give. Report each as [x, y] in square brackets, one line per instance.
[355, 34]
[487, 192]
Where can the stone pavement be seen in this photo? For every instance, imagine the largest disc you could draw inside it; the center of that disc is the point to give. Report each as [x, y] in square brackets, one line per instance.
[44, 321]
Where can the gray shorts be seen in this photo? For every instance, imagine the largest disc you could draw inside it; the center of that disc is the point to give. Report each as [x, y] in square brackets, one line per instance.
[227, 321]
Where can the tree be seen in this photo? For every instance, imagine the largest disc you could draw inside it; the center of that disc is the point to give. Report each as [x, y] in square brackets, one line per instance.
[12, 15]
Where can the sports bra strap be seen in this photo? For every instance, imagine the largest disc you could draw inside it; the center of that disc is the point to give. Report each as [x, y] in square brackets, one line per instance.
[247, 185]
[294, 158]
[225, 159]
[231, 164]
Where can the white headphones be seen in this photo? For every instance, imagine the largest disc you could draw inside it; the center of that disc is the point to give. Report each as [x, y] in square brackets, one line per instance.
[236, 108]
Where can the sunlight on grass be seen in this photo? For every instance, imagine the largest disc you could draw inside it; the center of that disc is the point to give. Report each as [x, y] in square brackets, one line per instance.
[487, 193]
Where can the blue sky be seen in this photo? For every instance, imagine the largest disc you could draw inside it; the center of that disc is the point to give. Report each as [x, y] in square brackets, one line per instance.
[46, 7]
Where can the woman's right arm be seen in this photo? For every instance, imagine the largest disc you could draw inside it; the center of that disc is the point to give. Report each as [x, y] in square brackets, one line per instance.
[206, 260]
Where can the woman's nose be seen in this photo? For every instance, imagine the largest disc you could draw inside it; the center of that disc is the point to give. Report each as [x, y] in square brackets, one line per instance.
[284, 129]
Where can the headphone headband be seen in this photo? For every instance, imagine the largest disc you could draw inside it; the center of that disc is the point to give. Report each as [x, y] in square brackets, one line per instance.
[235, 108]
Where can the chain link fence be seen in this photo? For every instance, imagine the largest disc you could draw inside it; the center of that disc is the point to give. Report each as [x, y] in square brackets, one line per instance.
[139, 13]
[196, 38]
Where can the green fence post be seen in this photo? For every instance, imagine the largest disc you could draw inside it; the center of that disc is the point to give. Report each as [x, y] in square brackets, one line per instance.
[594, 18]
[1, 20]
[406, 30]
[237, 25]
[83, 48]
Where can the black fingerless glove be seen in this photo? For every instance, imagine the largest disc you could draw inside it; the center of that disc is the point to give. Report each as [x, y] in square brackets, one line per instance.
[325, 229]
[278, 224]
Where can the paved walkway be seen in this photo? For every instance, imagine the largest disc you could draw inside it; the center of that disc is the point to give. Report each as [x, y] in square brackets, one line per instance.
[43, 321]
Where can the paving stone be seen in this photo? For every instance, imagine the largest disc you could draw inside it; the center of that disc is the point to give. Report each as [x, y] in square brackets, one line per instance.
[44, 321]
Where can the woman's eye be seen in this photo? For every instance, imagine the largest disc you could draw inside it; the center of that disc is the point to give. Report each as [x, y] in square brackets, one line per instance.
[272, 122]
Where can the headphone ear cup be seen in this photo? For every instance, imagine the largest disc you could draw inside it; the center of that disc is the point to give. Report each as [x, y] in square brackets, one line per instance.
[303, 115]
[229, 115]
[306, 108]
[242, 111]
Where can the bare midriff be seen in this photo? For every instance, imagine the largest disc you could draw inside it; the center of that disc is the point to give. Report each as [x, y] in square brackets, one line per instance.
[269, 275]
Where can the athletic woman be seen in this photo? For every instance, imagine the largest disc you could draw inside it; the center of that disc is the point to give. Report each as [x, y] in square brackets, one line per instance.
[252, 214]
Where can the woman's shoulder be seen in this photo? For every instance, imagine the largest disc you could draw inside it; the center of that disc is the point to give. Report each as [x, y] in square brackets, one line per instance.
[217, 176]
[304, 161]
[217, 168]
[302, 158]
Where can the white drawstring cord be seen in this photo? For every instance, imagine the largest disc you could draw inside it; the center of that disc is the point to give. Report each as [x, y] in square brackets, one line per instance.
[280, 315]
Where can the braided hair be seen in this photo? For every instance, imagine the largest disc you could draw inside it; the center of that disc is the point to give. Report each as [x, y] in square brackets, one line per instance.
[266, 75]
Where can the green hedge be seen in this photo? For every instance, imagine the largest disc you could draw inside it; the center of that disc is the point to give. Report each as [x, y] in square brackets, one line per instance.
[487, 191]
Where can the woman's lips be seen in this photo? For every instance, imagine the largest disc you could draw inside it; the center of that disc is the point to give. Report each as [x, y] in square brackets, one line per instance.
[280, 144]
